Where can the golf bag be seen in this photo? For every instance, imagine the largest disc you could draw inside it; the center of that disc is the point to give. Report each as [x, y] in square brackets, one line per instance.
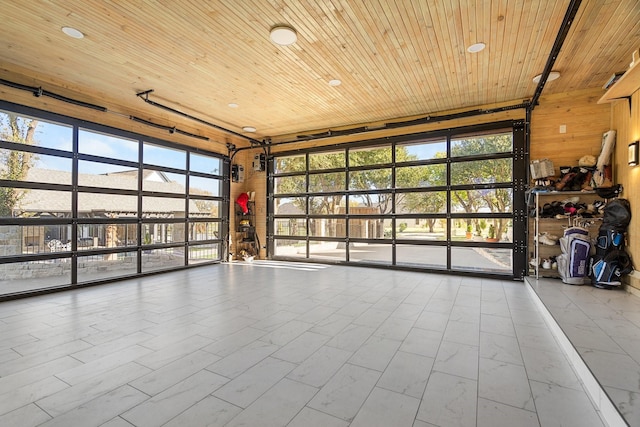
[611, 261]
[573, 262]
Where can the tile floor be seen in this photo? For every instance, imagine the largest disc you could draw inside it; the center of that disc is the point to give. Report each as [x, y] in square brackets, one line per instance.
[275, 344]
[604, 327]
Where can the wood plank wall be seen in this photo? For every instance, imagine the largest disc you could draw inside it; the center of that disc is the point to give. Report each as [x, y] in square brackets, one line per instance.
[627, 124]
[253, 181]
[585, 122]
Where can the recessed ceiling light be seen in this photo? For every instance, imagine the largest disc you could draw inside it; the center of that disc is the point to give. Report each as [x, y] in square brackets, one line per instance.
[233, 105]
[283, 35]
[335, 82]
[72, 32]
[554, 75]
[476, 47]
[249, 129]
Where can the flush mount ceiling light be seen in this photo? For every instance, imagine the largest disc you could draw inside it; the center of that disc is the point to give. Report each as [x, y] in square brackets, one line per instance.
[283, 35]
[335, 82]
[554, 75]
[232, 105]
[249, 129]
[476, 47]
[72, 32]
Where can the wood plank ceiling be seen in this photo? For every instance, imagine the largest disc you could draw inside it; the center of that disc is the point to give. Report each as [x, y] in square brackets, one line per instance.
[395, 58]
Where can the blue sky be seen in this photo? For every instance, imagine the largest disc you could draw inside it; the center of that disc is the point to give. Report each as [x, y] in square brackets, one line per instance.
[57, 136]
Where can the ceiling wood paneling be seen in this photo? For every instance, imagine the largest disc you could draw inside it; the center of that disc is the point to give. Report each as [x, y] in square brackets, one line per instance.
[396, 58]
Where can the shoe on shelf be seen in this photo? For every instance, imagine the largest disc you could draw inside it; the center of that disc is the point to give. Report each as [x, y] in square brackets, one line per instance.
[534, 262]
[548, 239]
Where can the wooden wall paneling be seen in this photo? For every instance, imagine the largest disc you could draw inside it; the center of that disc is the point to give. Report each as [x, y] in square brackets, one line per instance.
[627, 124]
[253, 181]
[585, 120]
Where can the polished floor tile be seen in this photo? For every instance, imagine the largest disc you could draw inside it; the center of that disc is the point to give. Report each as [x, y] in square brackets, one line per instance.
[285, 344]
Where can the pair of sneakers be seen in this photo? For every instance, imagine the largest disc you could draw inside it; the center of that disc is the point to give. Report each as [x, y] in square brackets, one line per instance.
[547, 239]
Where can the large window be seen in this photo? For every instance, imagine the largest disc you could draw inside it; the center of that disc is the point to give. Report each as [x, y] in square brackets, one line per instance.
[439, 201]
[80, 204]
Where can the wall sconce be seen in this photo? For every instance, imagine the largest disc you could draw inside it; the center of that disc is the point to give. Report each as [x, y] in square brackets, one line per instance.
[633, 153]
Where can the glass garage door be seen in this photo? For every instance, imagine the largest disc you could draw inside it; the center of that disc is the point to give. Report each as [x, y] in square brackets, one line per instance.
[445, 201]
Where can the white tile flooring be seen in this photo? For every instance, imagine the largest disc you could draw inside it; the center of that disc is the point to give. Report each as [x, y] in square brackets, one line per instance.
[603, 327]
[265, 344]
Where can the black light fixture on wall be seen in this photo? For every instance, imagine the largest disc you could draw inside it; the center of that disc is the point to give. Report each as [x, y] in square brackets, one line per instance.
[633, 153]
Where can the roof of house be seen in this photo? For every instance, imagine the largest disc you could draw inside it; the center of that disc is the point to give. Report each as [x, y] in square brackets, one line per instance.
[36, 200]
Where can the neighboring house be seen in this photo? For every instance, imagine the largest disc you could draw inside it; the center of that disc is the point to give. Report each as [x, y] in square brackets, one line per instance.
[46, 203]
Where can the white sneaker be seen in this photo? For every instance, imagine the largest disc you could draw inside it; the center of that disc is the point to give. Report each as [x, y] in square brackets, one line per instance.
[534, 262]
[548, 239]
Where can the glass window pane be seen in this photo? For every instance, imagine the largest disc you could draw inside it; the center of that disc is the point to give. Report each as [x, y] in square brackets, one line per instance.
[421, 176]
[370, 204]
[163, 207]
[107, 266]
[377, 253]
[95, 236]
[327, 205]
[94, 174]
[482, 144]
[290, 164]
[422, 202]
[327, 182]
[113, 147]
[31, 131]
[369, 228]
[25, 166]
[96, 205]
[498, 200]
[370, 156]
[432, 229]
[164, 182]
[423, 150]
[31, 275]
[422, 256]
[204, 231]
[485, 260]
[34, 239]
[32, 203]
[162, 259]
[336, 251]
[289, 184]
[205, 164]
[163, 156]
[158, 233]
[327, 227]
[489, 171]
[205, 186]
[290, 227]
[485, 229]
[199, 208]
[204, 253]
[331, 160]
[290, 248]
[289, 205]
[376, 179]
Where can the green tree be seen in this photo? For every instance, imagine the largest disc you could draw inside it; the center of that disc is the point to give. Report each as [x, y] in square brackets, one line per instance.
[15, 165]
[483, 172]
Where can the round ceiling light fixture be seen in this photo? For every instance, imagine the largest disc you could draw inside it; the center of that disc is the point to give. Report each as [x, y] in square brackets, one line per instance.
[250, 129]
[335, 82]
[232, 105]
[72, 32]
[476, 47]
[283, 35]
[554, 75]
